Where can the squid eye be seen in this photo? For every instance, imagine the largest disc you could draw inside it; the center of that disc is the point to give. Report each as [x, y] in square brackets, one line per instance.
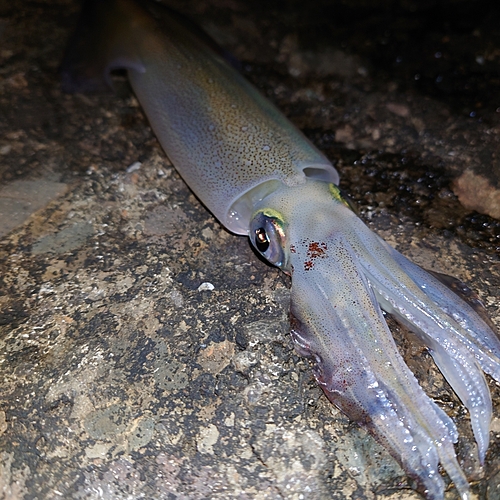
[268, 237]
[261, 240]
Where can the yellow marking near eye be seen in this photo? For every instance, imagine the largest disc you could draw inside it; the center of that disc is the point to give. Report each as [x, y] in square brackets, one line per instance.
[335, 192]
[272, 214]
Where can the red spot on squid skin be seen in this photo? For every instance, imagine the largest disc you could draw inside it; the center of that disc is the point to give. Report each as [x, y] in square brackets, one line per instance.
[315, 250]
[293, 249]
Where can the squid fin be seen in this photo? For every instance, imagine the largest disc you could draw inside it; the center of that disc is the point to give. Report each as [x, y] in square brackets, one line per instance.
[108, 36]
[103, 41]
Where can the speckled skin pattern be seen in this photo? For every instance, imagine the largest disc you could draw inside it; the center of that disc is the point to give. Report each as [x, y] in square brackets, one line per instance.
[226, 140]
[216, 127]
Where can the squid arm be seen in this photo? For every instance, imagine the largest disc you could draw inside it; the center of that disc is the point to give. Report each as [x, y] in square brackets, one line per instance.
[261, 177]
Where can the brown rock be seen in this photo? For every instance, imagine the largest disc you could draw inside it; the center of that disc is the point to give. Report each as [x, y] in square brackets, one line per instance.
[475, 192]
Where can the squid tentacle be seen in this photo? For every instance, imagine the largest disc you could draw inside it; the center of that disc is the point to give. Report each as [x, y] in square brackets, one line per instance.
[476, 329]
[342, 275]
[398, 293]
[385, 396]
[457, 356]
[472, 389]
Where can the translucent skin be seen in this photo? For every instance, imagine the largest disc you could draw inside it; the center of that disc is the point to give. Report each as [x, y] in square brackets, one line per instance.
[342, 274]
[244, 160]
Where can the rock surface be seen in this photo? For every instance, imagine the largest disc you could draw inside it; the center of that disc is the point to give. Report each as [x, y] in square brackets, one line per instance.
[144, 351]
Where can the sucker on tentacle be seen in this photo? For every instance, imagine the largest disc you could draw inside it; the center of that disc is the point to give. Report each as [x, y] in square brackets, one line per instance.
[260, 176]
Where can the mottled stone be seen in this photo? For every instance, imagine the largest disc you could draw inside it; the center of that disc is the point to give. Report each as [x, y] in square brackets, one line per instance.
[477, 193]
[124, 375]
[22, 198]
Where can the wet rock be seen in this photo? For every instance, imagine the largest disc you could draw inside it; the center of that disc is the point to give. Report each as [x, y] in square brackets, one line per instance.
[121, 378]
[476, 193]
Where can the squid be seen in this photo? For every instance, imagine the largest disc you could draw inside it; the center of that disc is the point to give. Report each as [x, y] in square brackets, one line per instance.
[261, 177]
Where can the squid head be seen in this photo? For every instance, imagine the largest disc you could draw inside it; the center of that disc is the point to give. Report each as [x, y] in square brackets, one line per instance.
[342, 273]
